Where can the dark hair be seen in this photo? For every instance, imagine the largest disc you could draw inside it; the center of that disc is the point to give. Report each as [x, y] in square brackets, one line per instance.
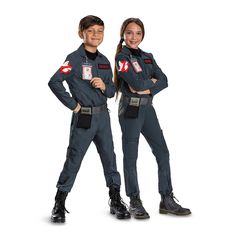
[119, 46]
[88, 21]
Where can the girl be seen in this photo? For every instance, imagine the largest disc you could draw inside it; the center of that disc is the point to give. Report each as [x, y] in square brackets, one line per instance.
[138, 78]
[89, 77]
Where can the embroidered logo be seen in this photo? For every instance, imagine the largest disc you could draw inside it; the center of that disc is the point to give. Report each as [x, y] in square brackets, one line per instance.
[65, 68]
[123, 66]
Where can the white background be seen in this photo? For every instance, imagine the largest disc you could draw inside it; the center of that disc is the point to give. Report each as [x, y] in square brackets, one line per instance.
[194, 44]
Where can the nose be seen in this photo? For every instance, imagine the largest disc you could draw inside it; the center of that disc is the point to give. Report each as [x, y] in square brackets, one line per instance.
[94, 32]
[133, 37]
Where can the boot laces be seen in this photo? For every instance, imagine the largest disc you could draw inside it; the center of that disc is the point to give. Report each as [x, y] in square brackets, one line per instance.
[115, 199]
[173, 202]
[62, 207]
[173, 197]
[137, 203]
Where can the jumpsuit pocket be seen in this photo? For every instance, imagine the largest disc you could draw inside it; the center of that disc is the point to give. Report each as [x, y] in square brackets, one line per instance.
[132, 110]
[84, 121]
[84, 118]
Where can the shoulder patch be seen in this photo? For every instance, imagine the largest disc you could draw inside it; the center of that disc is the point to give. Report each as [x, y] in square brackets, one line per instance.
[65, 68]
[123, 66]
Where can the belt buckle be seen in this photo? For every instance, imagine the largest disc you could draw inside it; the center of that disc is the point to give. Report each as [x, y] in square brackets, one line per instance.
[86, 110]
[134, 101]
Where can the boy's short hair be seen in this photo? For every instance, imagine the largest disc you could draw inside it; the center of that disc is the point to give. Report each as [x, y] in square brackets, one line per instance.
[88, 21]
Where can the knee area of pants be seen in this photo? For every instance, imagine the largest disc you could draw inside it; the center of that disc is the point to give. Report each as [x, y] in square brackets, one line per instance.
[133, 141]
[74, 152]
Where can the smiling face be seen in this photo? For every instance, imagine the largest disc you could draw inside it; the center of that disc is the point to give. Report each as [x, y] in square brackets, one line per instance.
[92, 36]
[133, 35]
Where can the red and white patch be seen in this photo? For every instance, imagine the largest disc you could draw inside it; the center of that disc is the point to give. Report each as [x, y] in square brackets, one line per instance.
[65, 68]
[123, 66]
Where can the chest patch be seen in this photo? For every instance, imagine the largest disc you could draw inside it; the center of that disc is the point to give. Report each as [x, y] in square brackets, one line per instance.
[148, 61]
[104, 66]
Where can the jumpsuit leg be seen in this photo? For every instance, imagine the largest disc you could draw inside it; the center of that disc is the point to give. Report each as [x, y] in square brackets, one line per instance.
[104, 143]
[152, 132]
[131, 129]
[79, 142]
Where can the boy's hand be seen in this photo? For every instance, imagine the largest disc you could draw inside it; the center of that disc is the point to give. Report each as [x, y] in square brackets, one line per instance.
[77, 109]
[97, 82]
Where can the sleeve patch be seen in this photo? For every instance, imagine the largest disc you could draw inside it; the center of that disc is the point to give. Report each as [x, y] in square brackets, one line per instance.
[65, 68]
[123, 66]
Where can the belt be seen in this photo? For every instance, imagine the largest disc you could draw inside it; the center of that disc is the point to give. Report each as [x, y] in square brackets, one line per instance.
[93, 110]
[143, 100]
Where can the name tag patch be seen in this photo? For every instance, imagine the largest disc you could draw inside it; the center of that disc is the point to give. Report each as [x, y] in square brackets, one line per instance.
[104, 66]
[148, 61]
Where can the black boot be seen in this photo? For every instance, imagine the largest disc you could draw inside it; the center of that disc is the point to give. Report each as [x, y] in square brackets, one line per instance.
[168, 205]
[117, 206]
[58, 212]
[136, 208]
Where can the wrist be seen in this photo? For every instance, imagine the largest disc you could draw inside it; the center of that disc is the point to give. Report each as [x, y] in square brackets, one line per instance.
[76, 110]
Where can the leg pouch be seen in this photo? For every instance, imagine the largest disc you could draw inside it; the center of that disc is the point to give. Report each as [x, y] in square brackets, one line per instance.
[84, 118]
[133, 108]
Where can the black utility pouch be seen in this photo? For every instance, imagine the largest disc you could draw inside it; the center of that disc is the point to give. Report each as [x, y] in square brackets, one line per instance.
[133, 108]
[84, 118]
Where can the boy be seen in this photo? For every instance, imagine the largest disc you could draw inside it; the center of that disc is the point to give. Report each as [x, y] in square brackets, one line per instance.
[89, 77]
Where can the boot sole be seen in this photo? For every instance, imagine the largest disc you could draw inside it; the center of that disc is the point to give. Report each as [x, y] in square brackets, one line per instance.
[143, 217]
[58, 220]
[163, 211]
[119, 217]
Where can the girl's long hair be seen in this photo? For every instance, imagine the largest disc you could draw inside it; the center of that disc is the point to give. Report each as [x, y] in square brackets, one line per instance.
[119, 46]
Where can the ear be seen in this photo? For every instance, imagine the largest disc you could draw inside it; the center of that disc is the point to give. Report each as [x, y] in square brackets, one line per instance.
[80, 33]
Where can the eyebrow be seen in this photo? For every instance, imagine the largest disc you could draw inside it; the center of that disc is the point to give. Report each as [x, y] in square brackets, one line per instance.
[100, 28]
[139, 31]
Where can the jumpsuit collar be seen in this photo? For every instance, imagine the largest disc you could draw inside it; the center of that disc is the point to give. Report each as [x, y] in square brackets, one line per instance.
[132, 52]
[81, 51]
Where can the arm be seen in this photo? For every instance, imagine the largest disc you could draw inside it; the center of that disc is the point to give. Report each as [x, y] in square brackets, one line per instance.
[147, 91]
[109, 89]
[162, 82]
[57, 87]
[105, 85]
[127, 73]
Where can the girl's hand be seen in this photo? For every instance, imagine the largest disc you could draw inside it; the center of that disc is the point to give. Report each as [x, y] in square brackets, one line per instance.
[154, 80]
[97, 82]
[132, 90]
[147, 91]
[77, 109]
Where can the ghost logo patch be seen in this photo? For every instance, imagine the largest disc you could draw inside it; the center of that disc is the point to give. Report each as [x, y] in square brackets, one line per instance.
[123, 66]
[65, 68]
